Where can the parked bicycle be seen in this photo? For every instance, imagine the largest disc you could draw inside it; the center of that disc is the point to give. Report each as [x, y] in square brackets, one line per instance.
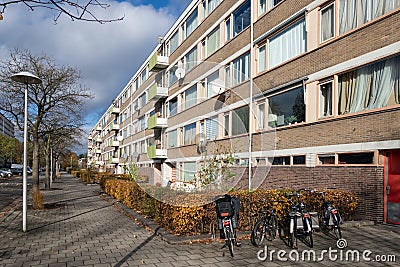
[266, 225]
[329, 218]
[297, 225]
[227, 216]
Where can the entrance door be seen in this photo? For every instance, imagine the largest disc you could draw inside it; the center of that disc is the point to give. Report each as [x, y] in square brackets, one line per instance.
[392, 172]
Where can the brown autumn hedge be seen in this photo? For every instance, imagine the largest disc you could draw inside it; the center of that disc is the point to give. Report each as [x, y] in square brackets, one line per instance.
[194, 220]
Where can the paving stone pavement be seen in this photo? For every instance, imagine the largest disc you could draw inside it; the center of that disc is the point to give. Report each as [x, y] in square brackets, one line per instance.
[81, 228]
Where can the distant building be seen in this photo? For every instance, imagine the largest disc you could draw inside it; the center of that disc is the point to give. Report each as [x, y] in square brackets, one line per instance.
[6, 126]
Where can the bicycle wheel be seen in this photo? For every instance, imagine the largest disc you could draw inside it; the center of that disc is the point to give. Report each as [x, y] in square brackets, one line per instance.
[229, 241]
[272, 226]
[258, 232]
[291, 233]
[336, 228]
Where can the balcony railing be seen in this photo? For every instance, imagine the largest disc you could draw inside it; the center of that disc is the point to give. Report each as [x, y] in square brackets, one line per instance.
[156, 122]
[114, 126]
[114, 143]
[156, 153]
[157, 62]
[98, 151]
[98, 128]
[99, 140]
[99, 162]
[114, 160]
[156, 92]
[114, 110]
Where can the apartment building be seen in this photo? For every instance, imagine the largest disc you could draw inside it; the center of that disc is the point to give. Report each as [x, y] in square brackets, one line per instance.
[6, 126]
[303, 93]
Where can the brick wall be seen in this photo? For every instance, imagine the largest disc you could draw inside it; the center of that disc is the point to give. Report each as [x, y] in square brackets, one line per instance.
[365, 181]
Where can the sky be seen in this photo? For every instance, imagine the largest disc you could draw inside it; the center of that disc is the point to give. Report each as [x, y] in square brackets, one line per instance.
[107, 55]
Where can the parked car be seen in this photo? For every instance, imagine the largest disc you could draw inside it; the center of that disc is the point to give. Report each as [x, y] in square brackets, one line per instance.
[6, 172]
[17, 171]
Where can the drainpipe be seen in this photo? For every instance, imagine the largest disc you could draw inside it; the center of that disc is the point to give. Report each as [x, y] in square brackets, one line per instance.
[251, 91]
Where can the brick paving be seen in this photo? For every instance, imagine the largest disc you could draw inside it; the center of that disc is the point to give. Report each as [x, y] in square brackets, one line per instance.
[82, 227]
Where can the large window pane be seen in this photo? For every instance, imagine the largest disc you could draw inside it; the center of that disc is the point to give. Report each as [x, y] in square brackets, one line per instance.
[172, 139]
[262, 7]
[214, 84]
[191, 96]
[172, 76]
[212, 128]
[241, 69]
[191, 23]
[373, 86]
[287, 44]
[272, 3]
[172, 107]
[191, 59]
[327, 23]
[262, 59]
[189, 133]
[173, 42]
[241, 18]
[213, 42]
[325, 99]
[190, 169]
[240, 120]
[286, 108]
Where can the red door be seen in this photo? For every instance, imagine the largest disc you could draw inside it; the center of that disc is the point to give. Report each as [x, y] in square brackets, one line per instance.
[392, 172]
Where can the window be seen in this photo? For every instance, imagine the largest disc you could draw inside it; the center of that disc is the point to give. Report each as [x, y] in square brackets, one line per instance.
[212, 128]
[241, 69]
[214, 84]
[173, 42]
[356, 158]
[212, 42]
[287, 44]
[325, 99]
[326, 159]
[142, 100]
[370, 87]
[143, 76]
[327, 22]
[262, 7]
[228, 34]
[172, 76]
[172, 139]
[228, 76]
[189, 171]
[191, 59]
[261, 116]
[281, 161]
[190, 97]
[226, 124]
[172, 107]
[209, 6]
[286, 108]
[241, 18]
[353, 14]
[240, 120]
[191, 23]
[299, 160]
[262, 64]
[272, 3]
[189, 133]
[142, 123]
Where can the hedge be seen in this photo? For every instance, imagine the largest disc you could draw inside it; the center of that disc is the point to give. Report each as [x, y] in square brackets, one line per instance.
[194, 220]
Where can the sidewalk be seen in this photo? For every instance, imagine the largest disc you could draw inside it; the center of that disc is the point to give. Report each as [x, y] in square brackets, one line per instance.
[83, 228]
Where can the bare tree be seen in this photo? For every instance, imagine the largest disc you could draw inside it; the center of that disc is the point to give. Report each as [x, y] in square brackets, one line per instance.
[57, 101]
[76, 10]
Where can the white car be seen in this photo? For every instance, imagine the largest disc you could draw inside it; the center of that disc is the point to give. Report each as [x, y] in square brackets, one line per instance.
[5, 173]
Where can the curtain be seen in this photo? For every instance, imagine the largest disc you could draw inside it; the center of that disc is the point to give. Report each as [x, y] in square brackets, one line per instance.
[213, 42]
[172, 139]
[189, 134]
[191, 96]
[288, 44]
[327, 23]
[261, 58]
[353, 13]
[369, 87]
[212, 4]
[212, 128]
[190, 169]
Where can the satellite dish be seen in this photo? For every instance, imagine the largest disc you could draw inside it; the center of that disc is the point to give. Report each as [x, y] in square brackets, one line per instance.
[218, 86]
[180, 73]
[201, 141]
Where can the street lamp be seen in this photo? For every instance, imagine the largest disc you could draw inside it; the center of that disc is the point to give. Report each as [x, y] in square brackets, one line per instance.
[25, 78]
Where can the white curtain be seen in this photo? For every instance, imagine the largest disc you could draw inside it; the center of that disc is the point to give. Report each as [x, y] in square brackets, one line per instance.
[288, 44]
[212, 128]
[327, 23]
[213, 42]
[214, 84]
[353, 13]
[191, 96]
[261, 58]
[189, 134]
[212, 4]
[369, 87]
[190, 169]
[191, 23]
[172, 139]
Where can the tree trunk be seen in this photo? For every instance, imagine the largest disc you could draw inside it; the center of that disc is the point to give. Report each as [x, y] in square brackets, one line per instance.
[35, 164]
[47, 156]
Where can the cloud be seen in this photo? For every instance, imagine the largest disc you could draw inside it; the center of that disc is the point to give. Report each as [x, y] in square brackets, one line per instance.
[106, 54]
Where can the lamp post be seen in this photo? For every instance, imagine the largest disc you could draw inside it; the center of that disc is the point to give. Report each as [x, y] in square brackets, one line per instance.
[25, 78]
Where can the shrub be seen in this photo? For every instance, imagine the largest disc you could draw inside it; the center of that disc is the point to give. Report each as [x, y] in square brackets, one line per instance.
[193, 220]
